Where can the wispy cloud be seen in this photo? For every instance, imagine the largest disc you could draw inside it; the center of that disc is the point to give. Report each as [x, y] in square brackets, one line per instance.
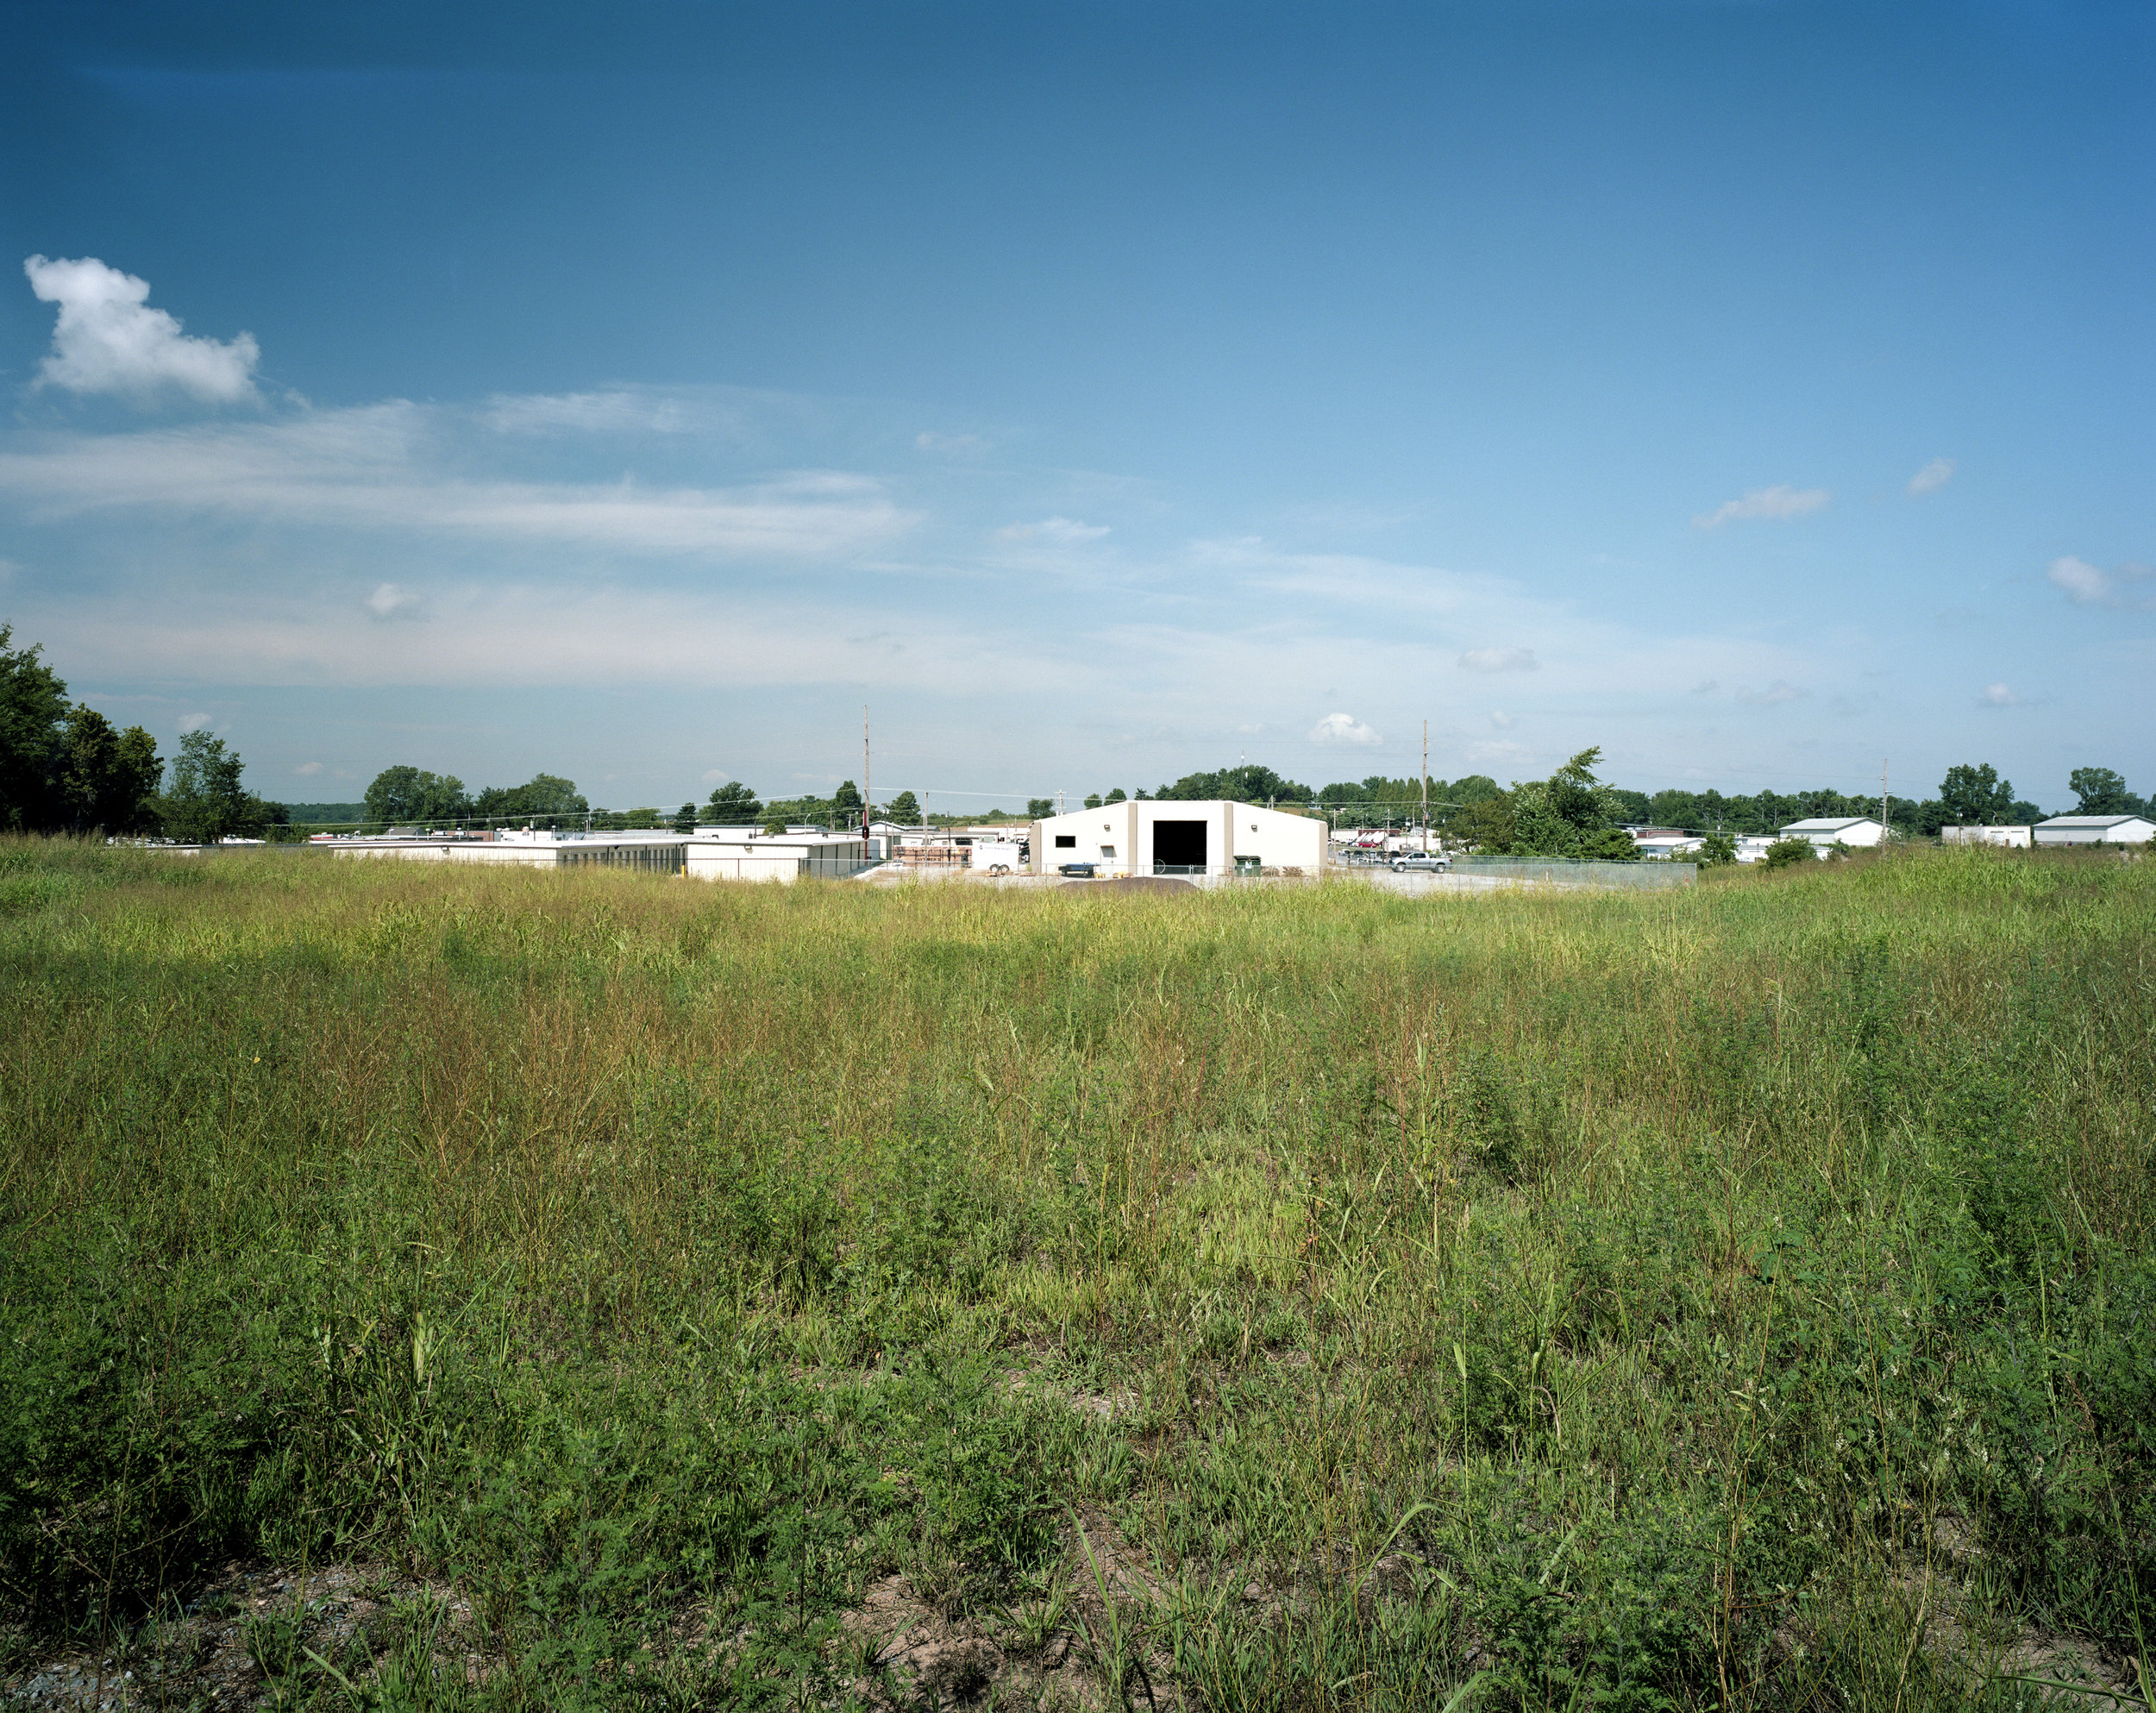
[109, 339]
[307, 769]
[1772, 694]
[1344, 728]
[623, 411]
[949, 445]
[1780, 502]
[1997, 696]
[394, 468]
[1498, 660]
[2088, 585]
[1933, 477]
[1061, 531]
[389, 601]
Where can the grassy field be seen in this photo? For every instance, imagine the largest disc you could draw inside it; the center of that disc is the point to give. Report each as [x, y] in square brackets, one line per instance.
[1742, 1297]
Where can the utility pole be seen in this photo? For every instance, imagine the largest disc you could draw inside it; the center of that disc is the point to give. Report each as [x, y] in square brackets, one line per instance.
[866, 795]
[1885, 825]
[1426, 787]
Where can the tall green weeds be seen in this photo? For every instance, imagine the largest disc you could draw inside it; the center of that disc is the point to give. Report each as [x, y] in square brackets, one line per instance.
[1739, 1298]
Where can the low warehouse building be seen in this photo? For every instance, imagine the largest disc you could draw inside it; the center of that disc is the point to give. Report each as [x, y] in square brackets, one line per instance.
[2005, 837]
[1824, 832]
[2096, 830]
[1158, 836]
[784, 857]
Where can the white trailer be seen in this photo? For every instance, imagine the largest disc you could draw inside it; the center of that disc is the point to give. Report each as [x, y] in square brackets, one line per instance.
[996, 857]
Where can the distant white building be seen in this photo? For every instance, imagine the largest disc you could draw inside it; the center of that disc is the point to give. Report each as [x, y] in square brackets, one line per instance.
[2006, 838]
[1663, 841]
[2096, 830]
[709, 854]
[1823, 832]
[1158, 836]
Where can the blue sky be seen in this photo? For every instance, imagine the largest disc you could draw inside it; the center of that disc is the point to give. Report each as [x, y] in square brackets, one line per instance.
[1096, 392]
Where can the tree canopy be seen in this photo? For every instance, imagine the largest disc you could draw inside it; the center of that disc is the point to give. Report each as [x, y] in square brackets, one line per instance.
[2100, 791]
[1975, 796]
[204, 801]
[410, 795]
[63, 768]
[735, 804]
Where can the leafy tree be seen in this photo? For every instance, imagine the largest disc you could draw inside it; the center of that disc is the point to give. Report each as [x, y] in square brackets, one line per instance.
[1039, 808]
[1716, 849]
[774, 827]
[407, 794]
[684, 819]
[905, 809]
[106, 778]
[2099, 791]
[1116, 796]
[1677, 809]
[204, 800]
[33, 712]
[1569, 813]
[1486, 824]
[1784, 852]
[847, 799]
[1093, 800]
[735, 804]
[1247, 783]
[640, 820]
[545, 796]
[1607, 844]
[1976, 796]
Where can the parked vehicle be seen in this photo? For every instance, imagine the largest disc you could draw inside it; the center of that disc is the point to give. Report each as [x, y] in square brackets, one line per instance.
[998, 856]
[1426, 860]
[1080, 871]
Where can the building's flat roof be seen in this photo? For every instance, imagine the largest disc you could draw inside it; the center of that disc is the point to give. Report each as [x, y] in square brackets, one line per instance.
[1824, 824]
[2090, 821]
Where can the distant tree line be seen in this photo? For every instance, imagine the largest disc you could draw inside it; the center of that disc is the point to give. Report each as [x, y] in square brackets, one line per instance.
[64, 768]
[1574, 812]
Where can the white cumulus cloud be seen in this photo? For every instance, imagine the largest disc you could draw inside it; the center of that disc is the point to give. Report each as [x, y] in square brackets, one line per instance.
[1064, 531]
[1501, 719]
[109, 339]
[2088, 585]
[1498, 660]
[193, 722]
[1933, 477]
[308, 769]
[1344, 728]
[1997, 696]
[1779, 502]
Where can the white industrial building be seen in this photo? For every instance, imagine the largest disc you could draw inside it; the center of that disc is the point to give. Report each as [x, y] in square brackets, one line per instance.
[2004, 837]
[708, 854]
[1157, 836]
[1858, 832]
[1663, 841]
[2096, 830]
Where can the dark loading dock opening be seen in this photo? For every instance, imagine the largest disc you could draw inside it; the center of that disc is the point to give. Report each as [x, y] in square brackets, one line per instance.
[1179, 845]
